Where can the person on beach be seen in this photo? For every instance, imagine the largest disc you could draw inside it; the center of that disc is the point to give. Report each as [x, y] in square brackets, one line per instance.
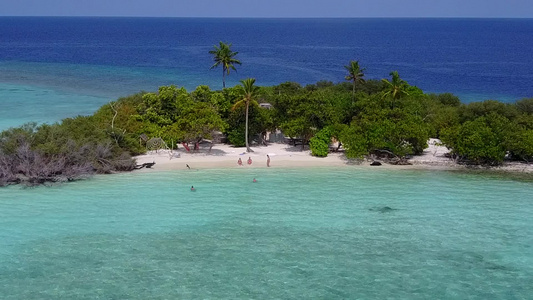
[268, 161]
[192, 188]
[188, 166]
[249, 160]
[239, 162]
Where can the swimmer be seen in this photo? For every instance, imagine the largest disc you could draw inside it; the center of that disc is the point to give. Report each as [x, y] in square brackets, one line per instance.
[254, 180]
[193, 189]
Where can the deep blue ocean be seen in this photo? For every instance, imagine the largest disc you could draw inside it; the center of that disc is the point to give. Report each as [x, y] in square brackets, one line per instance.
[51, 68]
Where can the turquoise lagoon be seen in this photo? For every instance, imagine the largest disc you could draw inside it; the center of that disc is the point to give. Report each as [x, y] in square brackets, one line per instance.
[296, 234]
[22, 104]
[317, 233]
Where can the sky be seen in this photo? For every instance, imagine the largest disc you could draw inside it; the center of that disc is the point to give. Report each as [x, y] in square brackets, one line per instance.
[270, 8]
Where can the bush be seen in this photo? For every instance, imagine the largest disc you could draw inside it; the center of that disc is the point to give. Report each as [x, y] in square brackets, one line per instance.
[319, 144]
[236, 138]
[481, 141]
[525, 106]
[71, 150]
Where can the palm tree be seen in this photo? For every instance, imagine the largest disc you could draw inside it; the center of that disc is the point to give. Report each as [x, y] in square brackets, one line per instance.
[249, 92]
[396, 88]
[225, 57]
[355, 73]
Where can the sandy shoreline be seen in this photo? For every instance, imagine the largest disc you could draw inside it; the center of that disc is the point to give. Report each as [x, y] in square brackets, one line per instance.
[286, 156]
[225, 156]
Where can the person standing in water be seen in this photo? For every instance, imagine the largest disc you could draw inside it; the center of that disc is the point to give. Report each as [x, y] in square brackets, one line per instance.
[268, 161]
[192, 188]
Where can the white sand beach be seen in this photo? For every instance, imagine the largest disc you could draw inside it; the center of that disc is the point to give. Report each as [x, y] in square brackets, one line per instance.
[226, 156]
[288, 156]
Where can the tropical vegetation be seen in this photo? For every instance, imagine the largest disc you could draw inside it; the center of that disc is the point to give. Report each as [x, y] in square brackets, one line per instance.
[355, 74]
[249, 93]
[225, 57]
[384, 118]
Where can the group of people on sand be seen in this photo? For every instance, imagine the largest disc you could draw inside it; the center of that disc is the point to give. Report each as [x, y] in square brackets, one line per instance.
[239, 161]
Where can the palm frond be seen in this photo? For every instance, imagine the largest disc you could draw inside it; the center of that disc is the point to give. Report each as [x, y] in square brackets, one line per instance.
[223, 55]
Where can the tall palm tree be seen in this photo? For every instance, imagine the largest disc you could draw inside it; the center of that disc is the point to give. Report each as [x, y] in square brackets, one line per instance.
[249, 93]
[396, 88]
[223, 55]
[355, 73]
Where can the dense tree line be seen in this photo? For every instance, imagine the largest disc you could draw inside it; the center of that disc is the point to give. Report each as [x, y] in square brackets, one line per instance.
[489, 132]
[386, 117]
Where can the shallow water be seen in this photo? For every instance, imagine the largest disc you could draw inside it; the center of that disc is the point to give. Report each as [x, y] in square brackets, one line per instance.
[21, 104]
[307, 233]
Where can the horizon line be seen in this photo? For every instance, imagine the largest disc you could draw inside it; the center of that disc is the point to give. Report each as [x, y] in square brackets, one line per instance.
[264, 17]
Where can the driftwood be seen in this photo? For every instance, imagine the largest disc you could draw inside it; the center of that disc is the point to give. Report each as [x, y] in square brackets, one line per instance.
[392, 158]
[144, 165]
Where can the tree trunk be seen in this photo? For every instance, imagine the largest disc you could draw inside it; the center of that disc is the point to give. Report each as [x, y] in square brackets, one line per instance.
[223, 78]
[338, 147]
[246, 129]
[353, 89]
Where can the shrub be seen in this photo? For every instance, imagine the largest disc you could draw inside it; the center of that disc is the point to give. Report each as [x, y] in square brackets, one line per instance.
[319, 144]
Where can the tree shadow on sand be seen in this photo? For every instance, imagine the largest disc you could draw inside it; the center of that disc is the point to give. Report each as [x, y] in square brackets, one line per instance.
[297, 148]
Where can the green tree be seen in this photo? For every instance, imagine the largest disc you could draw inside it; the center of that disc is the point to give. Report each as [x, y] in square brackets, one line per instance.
[471, 111]
[481, 141]
[198, 122]
[260, 120]
[223, 55]
[119, 120]
[354, 141]
[166, 106]
[521, 145]
[396, 87]
[525, 106]
[249, 93]
[355, 74]
[319, 144]
[174, 114]
[304, 114]
[202, 93]
[448, 99]
[288, 87]
[378, 128]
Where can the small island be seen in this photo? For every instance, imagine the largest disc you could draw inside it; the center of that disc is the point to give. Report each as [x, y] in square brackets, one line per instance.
[387, 120]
